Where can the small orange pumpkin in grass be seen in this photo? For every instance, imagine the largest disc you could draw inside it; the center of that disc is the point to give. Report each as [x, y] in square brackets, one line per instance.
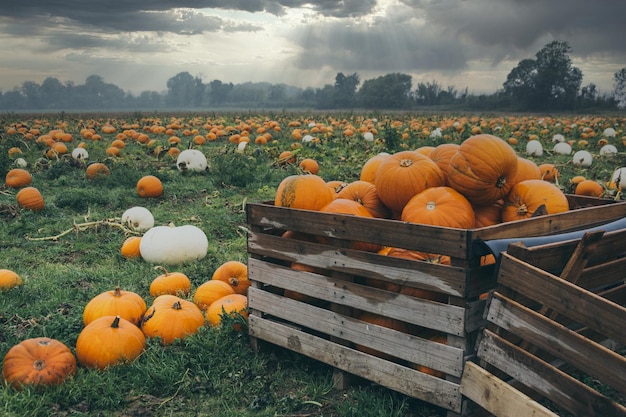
[109, 341]
[96, 169]
[175, 283]
[403, 175]
[235, 274]
[307, 192]
[211, 291]
[30, 198]
[126, 304]
[39, 361]
[9, 279]
[170, 318]
[149, 186]
[113, 151]
[17, 178]
[286, 157]
[230, 305]
[549, 172]
[130, 247]
[309, 166]
[589, 188]
[526, 197]
[364, 193]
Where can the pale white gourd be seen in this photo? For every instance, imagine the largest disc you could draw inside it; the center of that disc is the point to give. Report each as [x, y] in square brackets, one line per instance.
[191, 160]
[582, 159]
[138, 218]
[173, 245]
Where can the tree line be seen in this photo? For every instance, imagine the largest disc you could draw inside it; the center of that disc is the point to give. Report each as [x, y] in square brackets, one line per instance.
[548, 81]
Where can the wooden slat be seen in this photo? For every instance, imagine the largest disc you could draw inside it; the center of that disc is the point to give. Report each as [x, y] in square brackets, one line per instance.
[426, 313]
[408, 381]
[448, 241]
[404, 346]
[498, 397]
[568, 299]
[591, 358]
[565, 391]
[439, 278]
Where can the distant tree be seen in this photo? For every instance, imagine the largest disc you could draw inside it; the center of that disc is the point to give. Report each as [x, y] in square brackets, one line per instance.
[427, 93]
[619, 83]
[344, 90]
[390, 91]
[548, 81]
[181, 90]
[277, 92]
[32, 95]
[219, 92]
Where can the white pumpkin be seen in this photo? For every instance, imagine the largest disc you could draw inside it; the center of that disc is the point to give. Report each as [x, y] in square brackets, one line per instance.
[20, 162]
[80, 154]
[307, 138]
[582, 159]
[608, 150]
[138, 218]
[173, 245]
[191, 160]
[563, 148]
[368, 136]
[558, 138]
[619, 177]
[241, 147]
[534, 147]
[609, 132]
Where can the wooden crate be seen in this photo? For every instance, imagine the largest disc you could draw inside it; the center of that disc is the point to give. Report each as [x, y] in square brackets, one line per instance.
[320, 320]
[553, 338]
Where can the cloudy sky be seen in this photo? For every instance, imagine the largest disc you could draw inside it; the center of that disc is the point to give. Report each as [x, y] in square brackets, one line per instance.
[140, 44]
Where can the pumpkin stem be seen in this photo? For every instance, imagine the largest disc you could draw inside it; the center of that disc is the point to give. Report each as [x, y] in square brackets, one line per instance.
[39, 364]
[501, 182]
[522, 210]
[431, 205]
[405, 163]
[116, 322]
[177, 306]
[117, 292]
[162, 268]
[233, 281]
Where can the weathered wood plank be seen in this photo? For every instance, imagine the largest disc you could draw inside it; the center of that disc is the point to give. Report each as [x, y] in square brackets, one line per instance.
[565, 391]
[439, 278]
[408, 381]
[449, 241]
[401, 345]
[568, 299]
[425, 313]
[567, 345]
[498, 397]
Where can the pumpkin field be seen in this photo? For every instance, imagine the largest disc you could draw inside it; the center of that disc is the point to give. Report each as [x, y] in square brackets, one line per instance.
[123, 241]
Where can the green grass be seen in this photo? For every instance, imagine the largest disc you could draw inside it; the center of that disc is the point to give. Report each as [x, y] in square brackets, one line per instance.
[215, 372]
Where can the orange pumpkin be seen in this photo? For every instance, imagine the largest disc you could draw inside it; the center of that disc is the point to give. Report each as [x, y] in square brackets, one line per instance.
[589, 188]
[30, 198]
[130, 247]
[9, 279]
[307, 192]
[286, 157]
[175, 283]
[229, 305]
[96, 169]
[353, 208]
[442, 153]
[488, 215]
[235, 274]
[170, 318]
[432, 258]
[369, 168]
[439, 206]
[526, 170]
[528, 196]
[38, 361]
[126, 304]
[17, 178]
[403, 175]
[309, 166]
[364, 193]
[149, 186]
[211, 291]
[549, 172]
[483, 169]
[108, 341]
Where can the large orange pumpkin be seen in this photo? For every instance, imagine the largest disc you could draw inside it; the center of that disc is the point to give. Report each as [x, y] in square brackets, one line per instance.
[235, 274]
[353, 208]
[211, 291]
[442, 153]
[364, 193]
[108, 341]
[30, 198]
[307, 192]
[403, 175]
[126, 304]
[526, 170]
[483, 169]
[17, 178]
[229, 305]
[439, 206]
[149, 186]
[488, 215]
[170, 318]
[38, 361]
[369, 168]
[528, 196]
